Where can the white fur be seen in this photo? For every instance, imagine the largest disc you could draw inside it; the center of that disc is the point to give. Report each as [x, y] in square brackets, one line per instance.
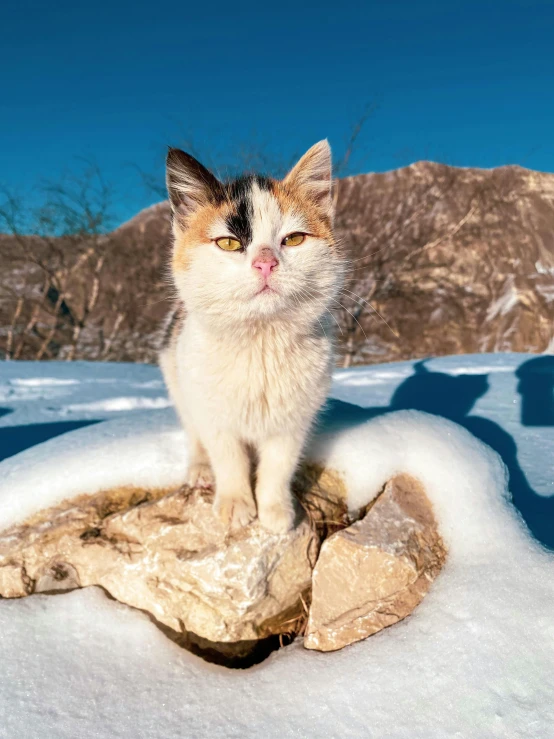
[249, 371]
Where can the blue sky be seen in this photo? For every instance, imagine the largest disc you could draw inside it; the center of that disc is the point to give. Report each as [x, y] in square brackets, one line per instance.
[466, 83]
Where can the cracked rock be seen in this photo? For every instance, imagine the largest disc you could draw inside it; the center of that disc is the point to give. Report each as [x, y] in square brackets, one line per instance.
[167, 554]
[375, 572]
[227, 595]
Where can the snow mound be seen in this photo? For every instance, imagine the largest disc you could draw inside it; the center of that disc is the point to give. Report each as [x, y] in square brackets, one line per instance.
[464, 479]
[474, 659]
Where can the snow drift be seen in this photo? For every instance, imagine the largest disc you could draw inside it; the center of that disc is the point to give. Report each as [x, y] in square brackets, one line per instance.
[474, 659]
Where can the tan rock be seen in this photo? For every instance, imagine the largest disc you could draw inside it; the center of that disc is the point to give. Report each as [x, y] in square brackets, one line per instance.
[222, 594]
[13, 581]
[169, 556]
[322, 494]
[375, 572]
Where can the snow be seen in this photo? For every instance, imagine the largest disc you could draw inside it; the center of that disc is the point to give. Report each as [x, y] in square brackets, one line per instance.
[504, 304]
[543, 269]
[475, 659]
[125, 403]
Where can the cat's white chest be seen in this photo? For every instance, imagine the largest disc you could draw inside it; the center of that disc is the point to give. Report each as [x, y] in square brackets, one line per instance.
[256, 388]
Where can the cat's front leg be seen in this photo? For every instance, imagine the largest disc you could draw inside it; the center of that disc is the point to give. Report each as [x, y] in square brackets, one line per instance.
[234, 502]
[277, 460]
[199, 472]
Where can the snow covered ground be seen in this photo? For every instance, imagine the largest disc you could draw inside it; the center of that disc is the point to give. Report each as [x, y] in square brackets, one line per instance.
[474, 660]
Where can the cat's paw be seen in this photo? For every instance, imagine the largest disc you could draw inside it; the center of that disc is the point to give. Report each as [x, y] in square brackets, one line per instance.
[235, 511]
[200, 475]
[277, 518]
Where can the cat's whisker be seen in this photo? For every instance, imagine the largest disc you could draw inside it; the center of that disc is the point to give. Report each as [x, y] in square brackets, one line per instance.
[330, 312]
[297, 301]
[366, 302]
[351, 272]
[371, 254]
[354, 317]
[374, 309]
[303, 291]
[351, 314]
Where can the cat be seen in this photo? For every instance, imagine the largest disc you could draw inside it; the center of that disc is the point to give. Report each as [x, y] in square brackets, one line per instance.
[249, 353]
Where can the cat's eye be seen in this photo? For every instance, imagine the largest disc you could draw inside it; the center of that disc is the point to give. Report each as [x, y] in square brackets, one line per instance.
[294, 239]
[228, 244]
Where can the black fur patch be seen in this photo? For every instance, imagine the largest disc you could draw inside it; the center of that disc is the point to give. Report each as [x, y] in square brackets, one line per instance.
[239, 221]
[239, 193]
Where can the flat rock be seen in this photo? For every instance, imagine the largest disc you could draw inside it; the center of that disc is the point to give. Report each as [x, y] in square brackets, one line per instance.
[224, 594]
[375, 572]
[166, 553]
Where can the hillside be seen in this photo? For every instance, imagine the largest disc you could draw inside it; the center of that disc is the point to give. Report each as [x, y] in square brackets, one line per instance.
[454, 260]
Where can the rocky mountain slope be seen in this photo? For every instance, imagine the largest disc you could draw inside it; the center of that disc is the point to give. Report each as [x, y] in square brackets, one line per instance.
[443, 260]
[456, 260]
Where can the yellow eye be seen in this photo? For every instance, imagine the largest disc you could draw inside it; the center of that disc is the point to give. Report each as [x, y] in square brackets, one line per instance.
[294, 239]
[228, 244]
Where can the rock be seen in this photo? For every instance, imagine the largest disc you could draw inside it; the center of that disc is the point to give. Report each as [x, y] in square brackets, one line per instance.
[224, 595]
[375, 572]
[14, 582]
[167, 554]
[322, 494]
[59, 578]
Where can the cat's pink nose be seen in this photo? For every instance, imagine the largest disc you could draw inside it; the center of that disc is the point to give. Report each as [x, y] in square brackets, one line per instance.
[265, 262]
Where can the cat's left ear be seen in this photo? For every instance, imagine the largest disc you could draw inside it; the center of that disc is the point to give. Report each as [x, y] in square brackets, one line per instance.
[314, 174]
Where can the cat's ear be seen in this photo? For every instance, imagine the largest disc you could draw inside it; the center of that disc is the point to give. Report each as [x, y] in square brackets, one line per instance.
[189, 183]
[314, 174]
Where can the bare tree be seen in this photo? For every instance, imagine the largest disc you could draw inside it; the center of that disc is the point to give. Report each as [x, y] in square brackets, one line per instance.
[367, 276]
[52, 278]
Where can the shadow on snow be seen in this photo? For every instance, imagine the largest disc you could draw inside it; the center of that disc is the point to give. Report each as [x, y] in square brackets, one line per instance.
[453, 397]
[15, 439]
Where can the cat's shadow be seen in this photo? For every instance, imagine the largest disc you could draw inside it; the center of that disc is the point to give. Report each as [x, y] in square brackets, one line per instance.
[453, 397]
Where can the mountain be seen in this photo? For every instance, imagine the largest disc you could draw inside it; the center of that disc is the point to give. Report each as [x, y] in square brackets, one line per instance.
[456, 260]
[443, 260]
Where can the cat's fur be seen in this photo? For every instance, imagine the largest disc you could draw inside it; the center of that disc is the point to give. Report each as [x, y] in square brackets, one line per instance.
[248, 371]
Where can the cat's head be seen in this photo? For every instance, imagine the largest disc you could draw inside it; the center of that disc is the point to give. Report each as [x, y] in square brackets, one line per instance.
[254, 249]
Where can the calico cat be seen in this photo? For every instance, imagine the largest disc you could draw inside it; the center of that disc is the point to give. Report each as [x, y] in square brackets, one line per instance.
[249, 355]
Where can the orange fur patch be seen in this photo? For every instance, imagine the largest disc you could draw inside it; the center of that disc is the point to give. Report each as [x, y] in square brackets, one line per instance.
[194, 233]
[292, 198]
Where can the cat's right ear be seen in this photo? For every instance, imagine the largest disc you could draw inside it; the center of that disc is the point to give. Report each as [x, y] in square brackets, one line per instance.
[189, 183]
[313, 174]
